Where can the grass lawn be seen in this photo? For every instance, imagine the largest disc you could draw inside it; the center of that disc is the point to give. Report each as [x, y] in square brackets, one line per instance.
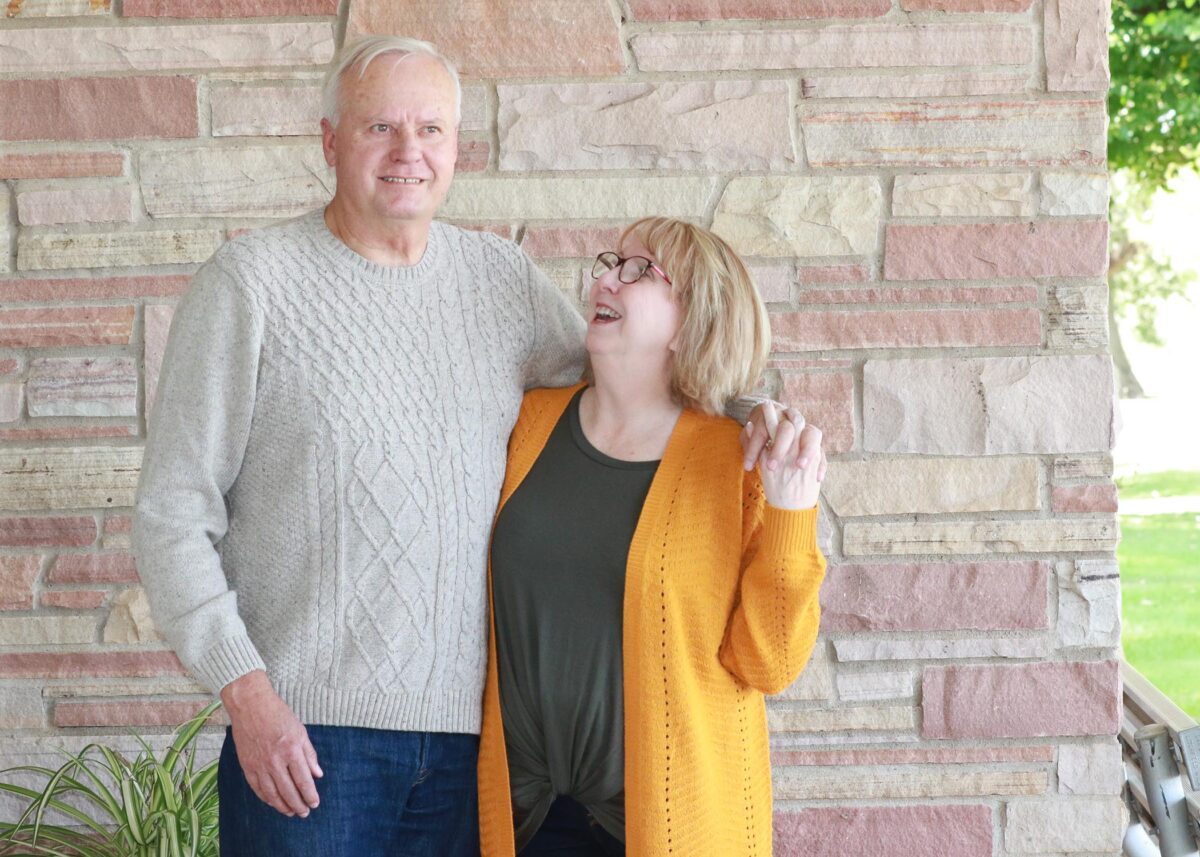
[1166, 483]
[1160, 593]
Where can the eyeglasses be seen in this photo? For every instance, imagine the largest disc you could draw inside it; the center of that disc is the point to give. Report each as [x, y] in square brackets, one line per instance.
[629, 271]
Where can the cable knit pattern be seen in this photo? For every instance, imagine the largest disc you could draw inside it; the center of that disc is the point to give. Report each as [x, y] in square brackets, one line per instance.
[721, 607]
[329, 444]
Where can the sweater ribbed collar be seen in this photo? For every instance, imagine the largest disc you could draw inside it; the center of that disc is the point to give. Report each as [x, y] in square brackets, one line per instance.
[435, 260]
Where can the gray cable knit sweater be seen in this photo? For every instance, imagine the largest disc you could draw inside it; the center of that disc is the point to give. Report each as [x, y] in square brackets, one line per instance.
[324, 463]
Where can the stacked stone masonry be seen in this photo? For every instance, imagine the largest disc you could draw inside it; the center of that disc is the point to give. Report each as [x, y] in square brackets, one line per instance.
[919, 189]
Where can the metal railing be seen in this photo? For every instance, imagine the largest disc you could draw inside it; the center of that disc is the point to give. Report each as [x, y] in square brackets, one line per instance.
[1162, 792]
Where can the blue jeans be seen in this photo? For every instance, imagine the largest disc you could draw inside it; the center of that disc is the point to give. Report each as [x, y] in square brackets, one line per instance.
[570, 831]
[400, 794]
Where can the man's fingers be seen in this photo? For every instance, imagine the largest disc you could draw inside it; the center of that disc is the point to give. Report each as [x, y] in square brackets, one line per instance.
[290, 797]
[310, 756]
[754, 438]
[303, 781]
[781, 450]
[270, 795]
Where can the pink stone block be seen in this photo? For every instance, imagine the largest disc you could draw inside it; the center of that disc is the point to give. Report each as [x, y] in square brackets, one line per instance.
[61, 165]
[946, 295]
[893, 85]
[226, 8]
[807, 274]
[92, 568]
[935, 596]
[1075, 36]
[819, 329]
[11, 394]
[67, 433]
[144, 664]
[9, 366]
[98, 108]
[1085, 498]
[711, 10]
[118, 524]
[1011, 6]
[915, 756]
[64, 290]
[65, 326]
[158, 325]
[569, 242]
[74, 599]
[514, 38]
[47, 532]
[17, 574]
[979, 251]
[133, 713]
[75, 205]
[827, 401]
[473, 155]
[1027, 701]
[959, 830]
[774, 282]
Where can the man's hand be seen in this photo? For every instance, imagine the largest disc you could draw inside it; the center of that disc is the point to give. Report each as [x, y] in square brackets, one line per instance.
[794, 441]
[788, 485]
[272, 745]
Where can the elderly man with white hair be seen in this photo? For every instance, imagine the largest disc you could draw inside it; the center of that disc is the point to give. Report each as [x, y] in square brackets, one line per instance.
[322, 470]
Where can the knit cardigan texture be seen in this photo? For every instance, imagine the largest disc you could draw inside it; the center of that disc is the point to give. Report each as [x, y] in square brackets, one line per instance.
[720, 607]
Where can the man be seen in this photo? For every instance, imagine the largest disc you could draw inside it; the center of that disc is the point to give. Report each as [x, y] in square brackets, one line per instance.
[329, 441]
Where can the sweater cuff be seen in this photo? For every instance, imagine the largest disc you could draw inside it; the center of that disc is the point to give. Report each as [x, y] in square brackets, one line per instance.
[230, 659]
[788, 532]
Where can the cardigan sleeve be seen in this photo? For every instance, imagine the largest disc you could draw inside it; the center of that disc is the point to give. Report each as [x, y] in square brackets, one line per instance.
[774, 623]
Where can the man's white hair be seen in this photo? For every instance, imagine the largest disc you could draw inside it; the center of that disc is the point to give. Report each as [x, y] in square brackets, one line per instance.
[362, 53]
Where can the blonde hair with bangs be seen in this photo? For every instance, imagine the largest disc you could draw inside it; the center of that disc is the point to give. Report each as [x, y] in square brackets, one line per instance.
[725, 335]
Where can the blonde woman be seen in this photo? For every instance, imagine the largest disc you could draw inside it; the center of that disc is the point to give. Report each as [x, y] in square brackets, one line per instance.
[647, 590]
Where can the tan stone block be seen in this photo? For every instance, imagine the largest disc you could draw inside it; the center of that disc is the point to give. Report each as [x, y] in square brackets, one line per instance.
[981, 537]
[873, 687]
[800, 216]
[22, 708]
[931, 485]
[700, 125]
[963, 195]
[142, 687]
[816, 682]
[275, 109]
[82, 387]
[940, 649]
[1075, 37]
[1091, 769]
[11, 397]
[6, 230]
[1083, 467]
[157, 326]
[65, 478]
[1089, 606]
[989, 406]
[836, 46]
[1074, 824]
[893, 85]
[17, 575]
[476, 199]
[84, 50]
[251, 181]
[515, 38]
[887, 718]
[908, 781]
[1077, 317]
[57, 8]
[42, 251]
[972, 133]
[46, 630]
[1074, 194]
[129, 620]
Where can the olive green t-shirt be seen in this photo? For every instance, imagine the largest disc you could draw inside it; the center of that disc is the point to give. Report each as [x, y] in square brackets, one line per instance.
[559, 552]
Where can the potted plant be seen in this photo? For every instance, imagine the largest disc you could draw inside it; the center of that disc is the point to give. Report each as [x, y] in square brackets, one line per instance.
[147, 806]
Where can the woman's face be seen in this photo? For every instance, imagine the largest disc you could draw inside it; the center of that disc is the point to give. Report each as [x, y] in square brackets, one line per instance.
[639, 319]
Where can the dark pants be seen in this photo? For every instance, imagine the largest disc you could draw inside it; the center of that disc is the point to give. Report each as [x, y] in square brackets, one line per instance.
[570, 831]
[400, 794]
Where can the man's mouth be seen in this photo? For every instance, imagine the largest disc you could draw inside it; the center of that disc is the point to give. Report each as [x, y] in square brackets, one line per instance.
[401, 180]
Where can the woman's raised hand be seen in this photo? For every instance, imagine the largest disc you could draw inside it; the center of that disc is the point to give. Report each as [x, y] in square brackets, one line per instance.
[787, 485]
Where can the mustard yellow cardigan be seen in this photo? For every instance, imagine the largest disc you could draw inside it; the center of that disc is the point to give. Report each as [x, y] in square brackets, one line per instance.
[720, 608]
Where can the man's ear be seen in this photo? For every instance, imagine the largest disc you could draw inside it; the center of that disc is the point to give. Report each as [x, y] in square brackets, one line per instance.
[327, 138]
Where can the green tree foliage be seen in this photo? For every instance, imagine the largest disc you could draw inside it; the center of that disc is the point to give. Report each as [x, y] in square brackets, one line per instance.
[1153, 134]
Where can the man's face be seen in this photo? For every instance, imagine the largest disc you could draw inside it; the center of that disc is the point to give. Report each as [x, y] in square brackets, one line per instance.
[396, 140]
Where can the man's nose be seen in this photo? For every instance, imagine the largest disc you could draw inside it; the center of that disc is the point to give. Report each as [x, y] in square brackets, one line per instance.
[404, 145]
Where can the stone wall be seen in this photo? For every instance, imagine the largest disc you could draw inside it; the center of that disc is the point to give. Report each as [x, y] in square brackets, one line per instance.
[919, 185]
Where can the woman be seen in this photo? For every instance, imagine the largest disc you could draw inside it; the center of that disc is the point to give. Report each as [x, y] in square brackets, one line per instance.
[646, 590]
